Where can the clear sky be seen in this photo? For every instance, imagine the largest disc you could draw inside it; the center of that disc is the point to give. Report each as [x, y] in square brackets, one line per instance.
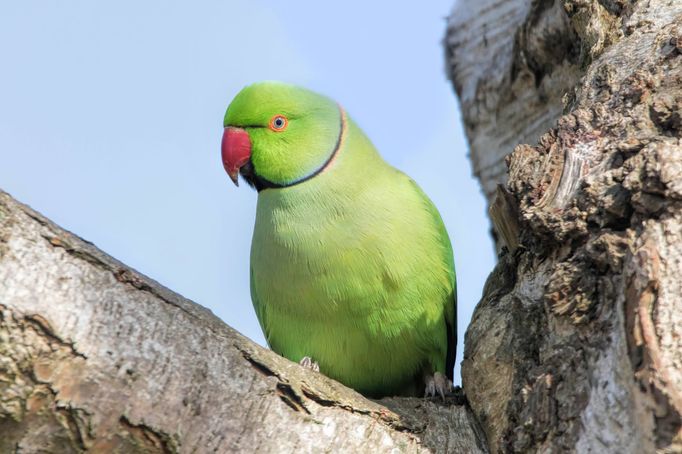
[111, 119]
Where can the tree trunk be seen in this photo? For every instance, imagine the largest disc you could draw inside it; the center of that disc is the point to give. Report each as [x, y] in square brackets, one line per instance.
[96, 357]
[576, 345]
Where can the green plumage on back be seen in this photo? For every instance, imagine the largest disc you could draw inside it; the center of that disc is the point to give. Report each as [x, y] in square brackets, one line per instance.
[351, 265]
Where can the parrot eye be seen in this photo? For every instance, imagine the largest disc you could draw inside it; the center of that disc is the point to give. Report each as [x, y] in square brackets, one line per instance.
[278, 123]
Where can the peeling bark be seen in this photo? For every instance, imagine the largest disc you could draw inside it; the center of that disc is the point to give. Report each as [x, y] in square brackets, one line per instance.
[575, 344]
[96, 357]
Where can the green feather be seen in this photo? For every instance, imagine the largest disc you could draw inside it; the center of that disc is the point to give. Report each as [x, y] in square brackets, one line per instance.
[352, 267]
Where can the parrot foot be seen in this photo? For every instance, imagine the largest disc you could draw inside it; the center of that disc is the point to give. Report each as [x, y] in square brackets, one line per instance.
[437, 384]
[308, 363]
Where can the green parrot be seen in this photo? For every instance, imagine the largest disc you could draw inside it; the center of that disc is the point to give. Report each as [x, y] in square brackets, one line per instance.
[352, 271]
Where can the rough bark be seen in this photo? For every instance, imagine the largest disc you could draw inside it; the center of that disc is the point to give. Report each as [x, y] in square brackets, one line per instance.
[96, 357]
[575, 345]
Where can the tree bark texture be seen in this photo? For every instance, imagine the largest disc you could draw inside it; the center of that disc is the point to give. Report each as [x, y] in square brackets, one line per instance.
[95, 357]
[576, 344]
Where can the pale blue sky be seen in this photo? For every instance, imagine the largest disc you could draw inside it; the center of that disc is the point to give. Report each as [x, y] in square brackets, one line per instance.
[111, 120]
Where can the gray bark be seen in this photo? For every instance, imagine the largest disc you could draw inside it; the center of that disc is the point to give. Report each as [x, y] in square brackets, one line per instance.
[576, 345]
[96, 357]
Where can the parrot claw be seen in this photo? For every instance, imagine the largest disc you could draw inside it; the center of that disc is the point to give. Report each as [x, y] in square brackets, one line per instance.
[308, 363]
[437, 384]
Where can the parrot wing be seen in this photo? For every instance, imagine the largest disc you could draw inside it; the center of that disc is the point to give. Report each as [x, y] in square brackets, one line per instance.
[451, 309]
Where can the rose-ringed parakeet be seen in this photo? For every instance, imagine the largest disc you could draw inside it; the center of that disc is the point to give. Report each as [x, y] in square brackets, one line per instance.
[352, 270]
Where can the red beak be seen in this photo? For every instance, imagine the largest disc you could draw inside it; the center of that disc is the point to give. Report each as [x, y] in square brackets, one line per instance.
[236, 148]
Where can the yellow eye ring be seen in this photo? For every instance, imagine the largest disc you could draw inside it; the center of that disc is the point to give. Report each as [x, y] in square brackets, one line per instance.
[279, 123]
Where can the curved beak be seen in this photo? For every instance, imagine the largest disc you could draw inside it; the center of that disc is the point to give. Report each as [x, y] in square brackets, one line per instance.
[236, 151]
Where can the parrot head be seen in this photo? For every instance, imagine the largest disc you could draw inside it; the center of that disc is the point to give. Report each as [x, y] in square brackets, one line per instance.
[277, 135]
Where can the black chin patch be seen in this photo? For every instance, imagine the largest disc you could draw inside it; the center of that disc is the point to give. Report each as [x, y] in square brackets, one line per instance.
[249, 175]
[254, 180]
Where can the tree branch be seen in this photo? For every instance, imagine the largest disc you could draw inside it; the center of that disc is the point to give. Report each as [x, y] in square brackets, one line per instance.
[95, 356]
